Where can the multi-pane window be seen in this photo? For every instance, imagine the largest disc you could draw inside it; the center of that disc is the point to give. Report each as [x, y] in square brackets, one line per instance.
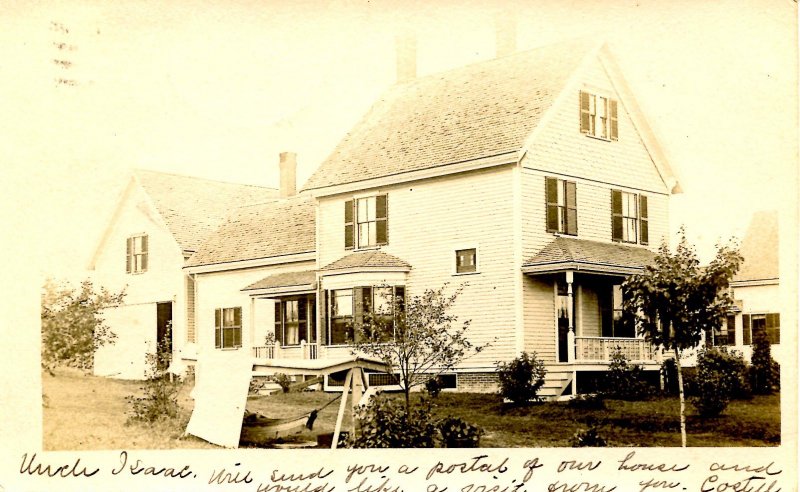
[768, 323]
[363, 307]
[599, 116]
[136, 254]
[614, 323]
[466, 260]
[562, 208]
[629, 217]
[228, 328]
[292, 317]
[366, 222]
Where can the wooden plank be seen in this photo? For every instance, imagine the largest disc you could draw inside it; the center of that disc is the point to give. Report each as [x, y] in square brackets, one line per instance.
[342, 405]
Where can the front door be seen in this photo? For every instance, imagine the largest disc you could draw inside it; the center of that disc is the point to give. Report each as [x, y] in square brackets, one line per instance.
[164, 330]
[562, 303]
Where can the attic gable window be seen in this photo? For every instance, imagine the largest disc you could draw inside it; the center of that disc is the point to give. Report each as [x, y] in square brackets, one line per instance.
[136, 254]
[629, 219]
[366, 222]
[562, 208]
[599, 116]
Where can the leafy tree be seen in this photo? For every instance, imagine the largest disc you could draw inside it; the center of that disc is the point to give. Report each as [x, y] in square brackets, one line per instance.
[761, 374]
[73, 327]
[422, 340]
[674, 300]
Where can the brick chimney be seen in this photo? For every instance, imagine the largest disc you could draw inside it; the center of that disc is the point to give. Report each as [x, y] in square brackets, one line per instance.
[406, 49]
[288, 166]
[505, 41]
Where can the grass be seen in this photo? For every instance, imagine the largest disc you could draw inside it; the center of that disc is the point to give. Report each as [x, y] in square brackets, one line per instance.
[87, 412]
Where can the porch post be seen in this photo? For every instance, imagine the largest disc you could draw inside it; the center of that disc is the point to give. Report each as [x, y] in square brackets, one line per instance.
[571, 318]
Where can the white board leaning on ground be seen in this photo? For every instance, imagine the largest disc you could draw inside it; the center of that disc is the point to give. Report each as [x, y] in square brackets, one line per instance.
[223, 380]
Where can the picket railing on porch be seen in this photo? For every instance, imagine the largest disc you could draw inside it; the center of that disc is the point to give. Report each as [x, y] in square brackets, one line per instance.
[600, 349]
[276, 351]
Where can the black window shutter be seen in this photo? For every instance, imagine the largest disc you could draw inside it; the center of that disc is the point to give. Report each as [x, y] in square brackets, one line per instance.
[746, 338]
[237, 333]
[644, 229]
[128, 253]
[774, 327]
[323, 316]
[572, 209]
[731, 329]
[612, 111]
[302, 318]
[382, 217]
[217, 328]
[551, 193]
[349, 230]
[279, 321]
[358, 314]
[616, 215]
[584, 110]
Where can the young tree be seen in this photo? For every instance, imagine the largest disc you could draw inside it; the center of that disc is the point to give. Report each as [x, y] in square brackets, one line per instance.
[421, 340]
[72, 324]
[675, 300]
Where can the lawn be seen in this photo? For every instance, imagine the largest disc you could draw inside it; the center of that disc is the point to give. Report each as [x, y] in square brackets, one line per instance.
[87, 412]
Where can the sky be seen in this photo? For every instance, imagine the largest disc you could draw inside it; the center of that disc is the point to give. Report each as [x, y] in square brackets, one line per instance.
[217, 89]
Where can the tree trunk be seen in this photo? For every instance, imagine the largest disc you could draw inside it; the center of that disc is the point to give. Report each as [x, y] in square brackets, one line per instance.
[680, 394]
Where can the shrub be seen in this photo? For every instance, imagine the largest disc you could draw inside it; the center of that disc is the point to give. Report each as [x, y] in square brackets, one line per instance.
[761, 373]
[719, 376]
[387, 423]
[458, 433]
[521, 379]
[624, 381]
[284, 381]
[434, 386]
[588, 437]
[159, 399]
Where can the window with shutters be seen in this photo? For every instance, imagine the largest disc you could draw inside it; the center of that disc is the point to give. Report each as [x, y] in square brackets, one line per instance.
[722, 335]
[629, 217]
[366, 222]
[360, 307]
[228, 328]
[562, 209]
[294, 320]
[769, 323]
[136, 254]
[598, 115]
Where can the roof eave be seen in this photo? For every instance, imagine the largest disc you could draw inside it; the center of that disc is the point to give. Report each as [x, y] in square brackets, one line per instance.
[579, 266]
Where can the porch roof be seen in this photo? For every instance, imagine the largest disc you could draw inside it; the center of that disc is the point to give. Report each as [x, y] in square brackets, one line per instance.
[284, 283]
[564, 253]
[370, 260]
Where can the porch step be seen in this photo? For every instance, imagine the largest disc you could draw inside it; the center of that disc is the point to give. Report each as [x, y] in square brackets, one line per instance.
[555, 382]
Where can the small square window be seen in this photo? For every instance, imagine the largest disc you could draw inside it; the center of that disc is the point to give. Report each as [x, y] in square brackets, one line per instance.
[466, 260]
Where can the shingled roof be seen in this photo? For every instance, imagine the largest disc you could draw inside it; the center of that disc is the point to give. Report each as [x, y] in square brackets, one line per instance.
[307, 278]
[266, 230]
[194, 207]
[367, 259]
[564, 253]
[481, 110]
[760, 248]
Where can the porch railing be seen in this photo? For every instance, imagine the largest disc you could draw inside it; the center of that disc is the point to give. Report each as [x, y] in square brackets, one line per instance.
[600, 349]
[276, 351]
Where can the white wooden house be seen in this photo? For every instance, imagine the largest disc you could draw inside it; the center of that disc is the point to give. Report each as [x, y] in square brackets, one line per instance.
[756, 290]
[534, 178]
[159, 221]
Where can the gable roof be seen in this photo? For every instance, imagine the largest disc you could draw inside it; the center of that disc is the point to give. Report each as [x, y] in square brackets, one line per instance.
[564, 253]
[484, 112]
[265, 230]
[194, 207]
[760, 248]
[367, 259]
[481, 110]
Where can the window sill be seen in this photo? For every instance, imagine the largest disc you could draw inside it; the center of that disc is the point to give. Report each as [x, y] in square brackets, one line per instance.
[603, 139]
[227, 349]
[459, 274]
[369, 248]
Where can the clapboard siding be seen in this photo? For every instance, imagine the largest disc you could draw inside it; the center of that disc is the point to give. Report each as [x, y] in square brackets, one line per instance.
[224, 290]
[163, 281]
[560, 146]
[594, 212]
[428, 220]
[539, 316]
